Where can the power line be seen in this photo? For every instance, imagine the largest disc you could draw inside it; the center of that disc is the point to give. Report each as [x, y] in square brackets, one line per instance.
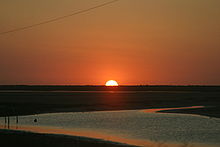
[57, 18]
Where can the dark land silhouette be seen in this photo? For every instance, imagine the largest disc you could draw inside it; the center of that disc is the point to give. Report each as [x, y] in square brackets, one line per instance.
[200, 88]
[24, 99]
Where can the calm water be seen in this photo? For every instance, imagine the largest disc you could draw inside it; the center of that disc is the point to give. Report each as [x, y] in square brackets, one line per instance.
[129, 125]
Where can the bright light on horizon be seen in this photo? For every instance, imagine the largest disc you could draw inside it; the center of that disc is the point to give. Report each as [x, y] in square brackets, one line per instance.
[111, 83]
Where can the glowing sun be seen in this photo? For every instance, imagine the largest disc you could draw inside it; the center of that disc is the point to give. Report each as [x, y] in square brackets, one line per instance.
[111, 83]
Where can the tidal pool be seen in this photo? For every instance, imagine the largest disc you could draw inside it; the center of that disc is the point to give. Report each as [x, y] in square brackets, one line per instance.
[129, 126]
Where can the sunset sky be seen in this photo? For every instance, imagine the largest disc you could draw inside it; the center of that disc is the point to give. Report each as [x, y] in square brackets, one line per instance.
[131, 41]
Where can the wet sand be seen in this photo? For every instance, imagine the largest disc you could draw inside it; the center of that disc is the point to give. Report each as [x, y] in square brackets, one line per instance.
[74, 139]
[11, 138]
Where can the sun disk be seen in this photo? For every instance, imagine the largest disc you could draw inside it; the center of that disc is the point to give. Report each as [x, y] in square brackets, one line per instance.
[111, 83]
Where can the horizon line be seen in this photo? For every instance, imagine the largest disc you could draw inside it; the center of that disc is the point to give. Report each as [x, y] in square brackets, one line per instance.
[107, 86]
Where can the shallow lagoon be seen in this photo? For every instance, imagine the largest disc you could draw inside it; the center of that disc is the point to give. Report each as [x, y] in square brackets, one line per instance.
[131, 126]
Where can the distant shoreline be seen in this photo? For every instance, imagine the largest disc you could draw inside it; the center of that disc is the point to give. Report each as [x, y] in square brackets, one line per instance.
[44, 99]
[200, 88]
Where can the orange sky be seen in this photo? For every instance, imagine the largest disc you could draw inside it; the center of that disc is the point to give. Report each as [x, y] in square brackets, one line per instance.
[131, 41]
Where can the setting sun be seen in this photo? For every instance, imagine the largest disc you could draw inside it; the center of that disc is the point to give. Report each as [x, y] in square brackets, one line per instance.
[111, 83]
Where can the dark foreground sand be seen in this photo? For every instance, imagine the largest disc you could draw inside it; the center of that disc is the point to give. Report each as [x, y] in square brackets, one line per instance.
[11, 138]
